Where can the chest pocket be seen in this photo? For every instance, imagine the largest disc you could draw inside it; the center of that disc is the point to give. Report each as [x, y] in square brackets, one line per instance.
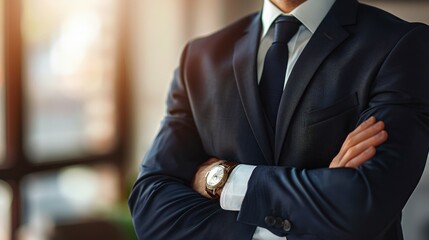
[340, 107]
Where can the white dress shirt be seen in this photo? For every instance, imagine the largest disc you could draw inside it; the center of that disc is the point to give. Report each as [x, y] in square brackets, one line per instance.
[310, 14]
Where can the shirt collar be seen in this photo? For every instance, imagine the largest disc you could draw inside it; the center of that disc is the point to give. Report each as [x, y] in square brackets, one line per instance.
[310, 13]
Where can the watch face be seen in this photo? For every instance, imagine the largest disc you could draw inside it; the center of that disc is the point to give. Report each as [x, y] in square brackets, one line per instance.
[215, 176]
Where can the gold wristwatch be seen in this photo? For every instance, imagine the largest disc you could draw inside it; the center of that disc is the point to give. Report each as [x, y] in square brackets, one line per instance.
[217, 176]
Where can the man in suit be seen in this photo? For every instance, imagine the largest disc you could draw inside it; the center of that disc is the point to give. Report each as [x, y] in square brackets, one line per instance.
[226, 164]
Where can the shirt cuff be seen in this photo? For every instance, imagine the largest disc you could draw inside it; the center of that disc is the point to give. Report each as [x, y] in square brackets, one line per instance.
[236, 187]
[265, 234]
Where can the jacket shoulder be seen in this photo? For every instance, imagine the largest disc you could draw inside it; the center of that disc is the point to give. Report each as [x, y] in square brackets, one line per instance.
[225, 37]
[379, 20]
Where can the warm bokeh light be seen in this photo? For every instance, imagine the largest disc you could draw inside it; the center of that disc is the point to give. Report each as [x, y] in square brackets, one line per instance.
[70, 77]
[74, 193]
[70, 50]
[5, 205]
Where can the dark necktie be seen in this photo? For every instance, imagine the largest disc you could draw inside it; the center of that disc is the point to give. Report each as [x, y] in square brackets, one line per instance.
[275, 64]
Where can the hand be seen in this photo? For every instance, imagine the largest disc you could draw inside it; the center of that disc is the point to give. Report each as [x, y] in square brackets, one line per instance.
[360, 144]
[358, 148]
[199, 181]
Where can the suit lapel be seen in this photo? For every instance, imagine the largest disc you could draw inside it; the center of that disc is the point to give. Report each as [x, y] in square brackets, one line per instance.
[245, 70]
[327, 37]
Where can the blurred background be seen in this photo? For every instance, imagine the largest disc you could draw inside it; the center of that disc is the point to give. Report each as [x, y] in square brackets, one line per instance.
[82, 92]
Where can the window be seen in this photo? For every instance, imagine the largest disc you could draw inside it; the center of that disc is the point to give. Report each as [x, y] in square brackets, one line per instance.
[69, 76]
[65, 140]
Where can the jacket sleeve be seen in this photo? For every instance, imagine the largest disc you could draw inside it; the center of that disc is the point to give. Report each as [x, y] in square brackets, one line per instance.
[358, 203]
[162, 203]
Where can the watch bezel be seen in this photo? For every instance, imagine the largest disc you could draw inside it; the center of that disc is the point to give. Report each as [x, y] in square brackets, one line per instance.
[214, 168]
[213, 190]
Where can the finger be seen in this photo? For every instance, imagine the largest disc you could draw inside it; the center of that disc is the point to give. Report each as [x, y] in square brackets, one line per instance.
[364, 125]
[373, 141]
[351, 139]
[366, 132]
[359, 134]
[354, 151]
[361, 158]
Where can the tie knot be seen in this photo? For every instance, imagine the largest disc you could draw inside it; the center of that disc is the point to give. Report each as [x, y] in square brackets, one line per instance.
[285, 27]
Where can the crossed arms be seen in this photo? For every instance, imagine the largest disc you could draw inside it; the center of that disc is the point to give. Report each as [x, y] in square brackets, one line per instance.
[359, 146]
[333, 203]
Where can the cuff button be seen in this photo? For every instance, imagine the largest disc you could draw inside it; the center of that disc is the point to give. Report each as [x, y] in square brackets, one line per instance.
[279, 222]
[286, 225]
[270, 220]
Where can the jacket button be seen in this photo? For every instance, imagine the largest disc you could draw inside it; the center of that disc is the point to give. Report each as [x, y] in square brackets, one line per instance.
[270, 220]
[286, 225]
[279, 222]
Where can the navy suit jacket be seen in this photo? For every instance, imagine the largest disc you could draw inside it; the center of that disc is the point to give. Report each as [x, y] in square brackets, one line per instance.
[360, 62]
